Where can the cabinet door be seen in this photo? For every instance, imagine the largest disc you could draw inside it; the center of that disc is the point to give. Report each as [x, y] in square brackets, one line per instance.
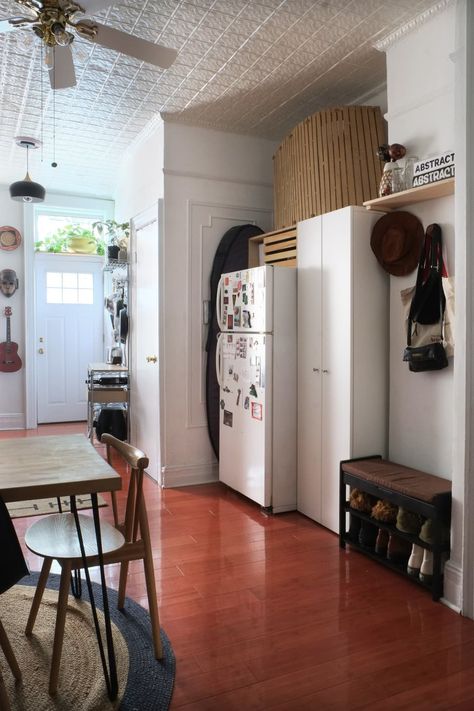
[309, 368]
[336, 308]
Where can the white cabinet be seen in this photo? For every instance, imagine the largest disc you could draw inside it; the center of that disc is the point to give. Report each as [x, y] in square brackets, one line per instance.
[343, 327]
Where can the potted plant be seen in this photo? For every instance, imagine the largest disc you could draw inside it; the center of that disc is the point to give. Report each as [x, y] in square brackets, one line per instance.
[72, 238]
[116, 236]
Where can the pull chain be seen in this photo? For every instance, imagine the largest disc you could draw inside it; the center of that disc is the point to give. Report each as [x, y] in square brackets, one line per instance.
[54, 164]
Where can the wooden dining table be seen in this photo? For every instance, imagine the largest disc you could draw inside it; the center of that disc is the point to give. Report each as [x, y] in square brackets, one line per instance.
[57, 466]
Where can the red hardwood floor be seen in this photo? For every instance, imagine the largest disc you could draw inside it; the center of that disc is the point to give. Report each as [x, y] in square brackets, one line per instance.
[266, 612]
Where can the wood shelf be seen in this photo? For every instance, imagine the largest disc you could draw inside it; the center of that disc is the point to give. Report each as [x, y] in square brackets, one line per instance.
[411, 196]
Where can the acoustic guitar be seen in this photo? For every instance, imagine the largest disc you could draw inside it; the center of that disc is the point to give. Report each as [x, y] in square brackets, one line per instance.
[10, 361]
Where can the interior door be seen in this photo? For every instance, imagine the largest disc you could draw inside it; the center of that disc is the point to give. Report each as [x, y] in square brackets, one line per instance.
[309, 368]
[336, 357]
[145, 329]
[69, 334]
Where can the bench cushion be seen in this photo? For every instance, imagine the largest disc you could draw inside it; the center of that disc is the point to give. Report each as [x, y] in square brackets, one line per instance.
[396, 477]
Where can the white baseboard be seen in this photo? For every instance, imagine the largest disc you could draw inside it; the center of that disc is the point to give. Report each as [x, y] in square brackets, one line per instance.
[188, 474]
[452, 586]
[12, 421]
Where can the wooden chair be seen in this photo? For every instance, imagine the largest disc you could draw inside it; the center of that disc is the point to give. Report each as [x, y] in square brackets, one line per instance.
[55, 538]
[12, 569]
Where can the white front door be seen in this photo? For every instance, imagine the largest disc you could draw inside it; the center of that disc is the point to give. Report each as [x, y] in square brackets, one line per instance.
[69, 333]
[145, 325]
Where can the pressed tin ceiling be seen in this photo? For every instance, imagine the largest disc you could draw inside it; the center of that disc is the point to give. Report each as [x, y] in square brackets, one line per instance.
[245, 66]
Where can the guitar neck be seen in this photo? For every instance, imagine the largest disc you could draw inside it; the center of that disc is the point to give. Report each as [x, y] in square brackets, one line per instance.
[9, 337]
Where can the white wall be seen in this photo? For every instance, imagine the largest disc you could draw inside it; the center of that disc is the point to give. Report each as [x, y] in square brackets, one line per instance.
[213, 180]
[12, 388]
[420, 84]
[140, 179]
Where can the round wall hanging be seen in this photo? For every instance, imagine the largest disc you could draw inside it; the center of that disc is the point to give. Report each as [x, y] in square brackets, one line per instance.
[10, 238]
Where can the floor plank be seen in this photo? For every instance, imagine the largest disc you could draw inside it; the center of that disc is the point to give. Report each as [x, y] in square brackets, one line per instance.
[266, 612]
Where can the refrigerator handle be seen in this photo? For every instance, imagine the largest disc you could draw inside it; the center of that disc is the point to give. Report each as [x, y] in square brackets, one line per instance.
[219, 360]
[218, 303]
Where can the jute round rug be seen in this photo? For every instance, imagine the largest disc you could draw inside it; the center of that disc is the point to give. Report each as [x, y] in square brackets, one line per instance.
[145, 684]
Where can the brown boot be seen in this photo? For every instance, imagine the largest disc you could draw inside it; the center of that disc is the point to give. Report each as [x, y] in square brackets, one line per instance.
[398, 550]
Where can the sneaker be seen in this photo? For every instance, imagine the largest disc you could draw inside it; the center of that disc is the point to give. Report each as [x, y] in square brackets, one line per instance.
[415, 560]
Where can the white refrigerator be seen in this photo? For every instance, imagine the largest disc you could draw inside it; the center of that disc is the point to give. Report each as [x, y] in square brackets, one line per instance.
[256, 370]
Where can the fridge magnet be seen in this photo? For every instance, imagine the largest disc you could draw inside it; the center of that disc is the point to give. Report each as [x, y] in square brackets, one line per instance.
[222, 404]
[246, 403]
[253, 390]
[229, 339]
[234, 298]
[226, 281]
[228, 417]
[257, 412]
[10, 238]
[239, 392]
[8, 282]
[237, 316]
[246, 322]
[226, 390]
[239, 286]
[230, 322]
[236, 377]
[226, 299]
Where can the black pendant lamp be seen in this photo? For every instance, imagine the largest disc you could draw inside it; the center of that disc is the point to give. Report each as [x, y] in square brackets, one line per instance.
[27, 190]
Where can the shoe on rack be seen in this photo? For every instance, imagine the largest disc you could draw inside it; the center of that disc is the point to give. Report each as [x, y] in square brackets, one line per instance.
[381, 542]
[398, 550]
[354, 528]
[367, 534]
[426, 570]
[415, 560]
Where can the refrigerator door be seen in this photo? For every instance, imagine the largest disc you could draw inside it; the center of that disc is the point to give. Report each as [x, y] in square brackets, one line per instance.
[245, 431]
[244, 301]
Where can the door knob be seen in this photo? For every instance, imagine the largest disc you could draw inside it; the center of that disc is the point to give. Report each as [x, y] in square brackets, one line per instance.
[151, 359]
[41, 351]
[315, 370]
[325, 371]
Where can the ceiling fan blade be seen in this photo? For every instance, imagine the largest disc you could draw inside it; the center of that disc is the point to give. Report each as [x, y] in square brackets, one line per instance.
[134, 46]
[62, 76]
[91, 6]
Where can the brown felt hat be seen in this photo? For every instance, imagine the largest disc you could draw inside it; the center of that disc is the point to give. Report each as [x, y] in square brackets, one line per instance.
[396, 241]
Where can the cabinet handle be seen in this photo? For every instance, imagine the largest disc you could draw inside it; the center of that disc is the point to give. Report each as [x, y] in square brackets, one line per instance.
[324, 370]
[315, 370]
[151, 359]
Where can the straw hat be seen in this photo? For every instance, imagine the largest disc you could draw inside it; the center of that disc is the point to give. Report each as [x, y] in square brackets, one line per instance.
[396, 241]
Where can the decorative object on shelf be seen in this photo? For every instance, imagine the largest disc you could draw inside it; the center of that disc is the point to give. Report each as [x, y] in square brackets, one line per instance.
[392, 176]
[8, 282]
[10, 361]
[432, 170]
[10, 238]
[409, 171]
[116, 236]
[396, 241]
[27, 190]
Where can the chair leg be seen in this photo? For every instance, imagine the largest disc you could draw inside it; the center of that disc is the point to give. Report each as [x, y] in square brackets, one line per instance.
[38, 596]
[122, 584]
[10, 656]
[115, 508]
[150, 583]
[59, 629]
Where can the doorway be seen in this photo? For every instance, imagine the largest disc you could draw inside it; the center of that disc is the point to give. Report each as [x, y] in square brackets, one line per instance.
[145, 363]
[69, 332]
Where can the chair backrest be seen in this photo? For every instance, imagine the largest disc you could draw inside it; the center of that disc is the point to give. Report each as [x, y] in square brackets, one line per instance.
[12, 563]
[138, 462]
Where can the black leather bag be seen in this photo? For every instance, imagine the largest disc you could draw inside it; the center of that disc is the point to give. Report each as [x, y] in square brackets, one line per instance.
[429, 301]
[427, 306]
[421, 358]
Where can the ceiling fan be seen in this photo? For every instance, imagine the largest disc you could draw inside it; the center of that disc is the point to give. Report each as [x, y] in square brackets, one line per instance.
[53, 20]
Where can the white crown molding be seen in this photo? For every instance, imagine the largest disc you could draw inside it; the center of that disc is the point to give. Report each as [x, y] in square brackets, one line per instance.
[391, 39]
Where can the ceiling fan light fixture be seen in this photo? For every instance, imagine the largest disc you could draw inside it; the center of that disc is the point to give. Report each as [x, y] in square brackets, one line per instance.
[61, 35]
[27, 190]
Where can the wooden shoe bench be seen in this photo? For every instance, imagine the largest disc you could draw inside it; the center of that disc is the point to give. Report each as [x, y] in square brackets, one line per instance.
[412, 489]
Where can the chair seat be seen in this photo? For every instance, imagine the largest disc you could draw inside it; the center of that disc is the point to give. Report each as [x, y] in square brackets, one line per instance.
[55, 536]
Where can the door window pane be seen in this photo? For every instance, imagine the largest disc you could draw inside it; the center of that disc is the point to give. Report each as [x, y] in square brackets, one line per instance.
[69, 288]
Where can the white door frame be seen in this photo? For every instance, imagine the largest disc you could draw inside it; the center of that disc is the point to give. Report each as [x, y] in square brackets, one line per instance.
[74, 204]
[148, 216]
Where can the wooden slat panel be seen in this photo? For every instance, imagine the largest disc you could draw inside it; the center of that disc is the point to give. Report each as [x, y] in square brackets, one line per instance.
[280, 256]
[271, 237]
[291, 243]
[327, 162]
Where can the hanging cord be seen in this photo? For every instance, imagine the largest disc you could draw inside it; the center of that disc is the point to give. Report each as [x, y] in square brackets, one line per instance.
[54, 164]
[41, 100]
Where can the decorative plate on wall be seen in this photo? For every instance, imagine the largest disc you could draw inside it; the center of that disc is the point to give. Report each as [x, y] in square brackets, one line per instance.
[10, 238]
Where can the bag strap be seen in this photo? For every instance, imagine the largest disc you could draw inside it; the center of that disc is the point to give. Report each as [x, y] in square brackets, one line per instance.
[431, 259]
